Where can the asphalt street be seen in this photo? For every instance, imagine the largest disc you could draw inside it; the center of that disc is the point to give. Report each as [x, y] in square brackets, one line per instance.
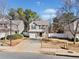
[26, 55]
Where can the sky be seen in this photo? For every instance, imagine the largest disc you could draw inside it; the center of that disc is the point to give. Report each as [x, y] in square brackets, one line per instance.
[45, 8]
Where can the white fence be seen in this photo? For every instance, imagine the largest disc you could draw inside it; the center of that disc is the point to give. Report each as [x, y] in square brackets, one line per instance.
[57, 35]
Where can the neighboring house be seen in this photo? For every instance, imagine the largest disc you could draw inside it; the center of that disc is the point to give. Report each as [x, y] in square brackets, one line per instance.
[9, 28]
[38, 29]
[69, 29]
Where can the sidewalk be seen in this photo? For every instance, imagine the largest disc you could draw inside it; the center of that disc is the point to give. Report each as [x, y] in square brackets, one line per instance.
[59, 52]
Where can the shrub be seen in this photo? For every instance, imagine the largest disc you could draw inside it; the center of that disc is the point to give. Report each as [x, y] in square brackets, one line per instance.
[10, 37]
[18, 36]
[15, 36]
[77, 40]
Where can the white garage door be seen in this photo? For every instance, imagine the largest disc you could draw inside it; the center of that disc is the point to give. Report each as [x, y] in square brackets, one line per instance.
[32, 35]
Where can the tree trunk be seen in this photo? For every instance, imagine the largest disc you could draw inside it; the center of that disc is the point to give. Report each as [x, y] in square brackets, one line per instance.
[74, 39]
[75, 33]
[26, 26]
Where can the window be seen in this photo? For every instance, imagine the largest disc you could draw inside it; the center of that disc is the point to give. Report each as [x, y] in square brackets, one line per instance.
[33, 26]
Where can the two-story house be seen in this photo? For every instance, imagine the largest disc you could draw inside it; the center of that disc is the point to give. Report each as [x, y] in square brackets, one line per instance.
[69, 30]
[38, 29]
[8, 27]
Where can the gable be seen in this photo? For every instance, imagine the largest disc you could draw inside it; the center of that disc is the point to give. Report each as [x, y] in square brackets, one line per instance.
[41, 22]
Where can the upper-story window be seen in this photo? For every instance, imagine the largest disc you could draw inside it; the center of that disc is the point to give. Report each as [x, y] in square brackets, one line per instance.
[78, 29]
[42, 27]
[33, 26]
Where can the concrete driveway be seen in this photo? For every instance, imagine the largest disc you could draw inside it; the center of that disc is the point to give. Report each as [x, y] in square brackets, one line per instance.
[27, 45]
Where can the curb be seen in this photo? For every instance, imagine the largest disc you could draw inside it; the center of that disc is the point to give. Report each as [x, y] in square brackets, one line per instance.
[59, 54]
[67, 55]
[55, 54]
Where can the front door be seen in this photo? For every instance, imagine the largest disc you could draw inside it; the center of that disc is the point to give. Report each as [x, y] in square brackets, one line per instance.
[40, 34]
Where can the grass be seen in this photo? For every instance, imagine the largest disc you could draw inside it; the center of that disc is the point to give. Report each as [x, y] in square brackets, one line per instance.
[59, 43]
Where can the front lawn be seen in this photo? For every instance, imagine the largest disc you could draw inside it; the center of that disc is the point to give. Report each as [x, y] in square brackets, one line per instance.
[60, 44]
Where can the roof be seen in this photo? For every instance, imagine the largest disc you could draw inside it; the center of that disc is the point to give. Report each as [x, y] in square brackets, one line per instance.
[7, 21]
[34, 30]
[16, 22]
[41, 22]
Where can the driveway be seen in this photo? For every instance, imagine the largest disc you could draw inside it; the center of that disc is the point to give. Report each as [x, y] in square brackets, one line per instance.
[27, 45]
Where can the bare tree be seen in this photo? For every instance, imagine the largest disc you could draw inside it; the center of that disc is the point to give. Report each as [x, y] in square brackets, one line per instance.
[76, 4]
[68, 7]
[76, 7]
[3, 4]
[3, 12]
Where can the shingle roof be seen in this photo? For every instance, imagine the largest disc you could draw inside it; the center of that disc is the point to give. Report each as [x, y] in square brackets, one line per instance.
[34, 30]
[41, 22]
